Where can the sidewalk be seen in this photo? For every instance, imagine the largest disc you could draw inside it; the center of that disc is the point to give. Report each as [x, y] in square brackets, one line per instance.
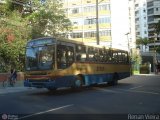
[150, 74]
[19, 83]
[19, 87]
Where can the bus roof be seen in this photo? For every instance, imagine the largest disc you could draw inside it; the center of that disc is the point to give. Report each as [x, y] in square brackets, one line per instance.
[75, 42]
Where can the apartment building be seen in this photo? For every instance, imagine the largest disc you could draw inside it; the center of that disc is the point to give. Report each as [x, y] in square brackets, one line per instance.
[132, 26]
[147, 14]
[112, 18]
[141, 26]
[153, 12]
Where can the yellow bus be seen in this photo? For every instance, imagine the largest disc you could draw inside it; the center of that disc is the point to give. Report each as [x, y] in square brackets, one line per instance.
[54, 62]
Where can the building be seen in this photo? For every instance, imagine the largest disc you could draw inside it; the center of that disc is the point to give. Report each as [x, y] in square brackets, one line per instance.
[141, 25]
[132, 29]
[153, 13]
[147, 14]
[113, 21]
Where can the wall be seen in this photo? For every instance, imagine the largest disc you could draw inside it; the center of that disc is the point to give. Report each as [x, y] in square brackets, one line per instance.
[3, 76]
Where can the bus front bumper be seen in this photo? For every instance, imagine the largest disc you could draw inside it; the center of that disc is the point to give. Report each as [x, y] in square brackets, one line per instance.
[39, 84]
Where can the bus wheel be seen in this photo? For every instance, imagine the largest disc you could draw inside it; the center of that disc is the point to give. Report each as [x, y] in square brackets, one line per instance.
[79, 81]
[114, 80]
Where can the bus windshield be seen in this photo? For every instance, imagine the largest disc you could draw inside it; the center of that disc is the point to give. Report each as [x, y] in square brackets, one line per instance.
[40, 57]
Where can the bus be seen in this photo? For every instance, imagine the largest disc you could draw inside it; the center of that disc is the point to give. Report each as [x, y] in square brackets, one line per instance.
[55, 62]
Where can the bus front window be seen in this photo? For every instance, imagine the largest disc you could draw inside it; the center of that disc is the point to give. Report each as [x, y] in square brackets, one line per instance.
[40, 57]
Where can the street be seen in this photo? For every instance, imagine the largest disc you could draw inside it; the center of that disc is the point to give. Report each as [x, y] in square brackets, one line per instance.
[136, 95]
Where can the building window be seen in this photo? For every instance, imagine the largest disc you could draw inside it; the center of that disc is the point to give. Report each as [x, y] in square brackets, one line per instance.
[136, 13]
[137, 19]
[156, 9]
[104, 20]
[89, 34]
[150, 11]
[137, 33]
[136, 5]
[150, 4]
[104, 7]
[77, 35]
[89, 21]
[145, 32]
[89, 8]
[137, 26]
[105, 33]
[144, 11]
[150, 18]
[75, 10]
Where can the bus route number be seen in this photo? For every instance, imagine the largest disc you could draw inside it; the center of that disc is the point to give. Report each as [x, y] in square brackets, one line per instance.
[99, 68]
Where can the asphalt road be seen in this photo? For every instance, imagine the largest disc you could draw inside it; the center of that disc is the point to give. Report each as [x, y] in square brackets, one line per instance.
[133, 97]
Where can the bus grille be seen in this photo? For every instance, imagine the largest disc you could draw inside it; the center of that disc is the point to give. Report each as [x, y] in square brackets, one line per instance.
[37, 81]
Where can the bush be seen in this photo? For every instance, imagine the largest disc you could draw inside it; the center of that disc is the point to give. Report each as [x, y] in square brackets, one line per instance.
[144, 69]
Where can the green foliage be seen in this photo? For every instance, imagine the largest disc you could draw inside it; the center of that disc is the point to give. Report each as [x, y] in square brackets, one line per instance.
[18, 26]
[158, 49]
[15, 33]
[49, 20]
[142, 41]
[136, 58]
[144, 69]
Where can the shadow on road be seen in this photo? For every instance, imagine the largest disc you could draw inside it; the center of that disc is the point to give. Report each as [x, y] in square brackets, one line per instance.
[66, 91]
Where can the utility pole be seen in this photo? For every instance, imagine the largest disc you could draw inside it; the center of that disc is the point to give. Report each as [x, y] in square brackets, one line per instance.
[155, 56]
[128, 42]
[97, 23]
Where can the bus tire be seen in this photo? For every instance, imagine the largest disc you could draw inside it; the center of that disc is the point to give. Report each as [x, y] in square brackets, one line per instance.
[78, 83]
[114, 80]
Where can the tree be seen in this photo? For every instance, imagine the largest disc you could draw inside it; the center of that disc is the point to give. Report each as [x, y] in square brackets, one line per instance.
[18, 26]
[49, 19]
[15, 34]
[142, 41]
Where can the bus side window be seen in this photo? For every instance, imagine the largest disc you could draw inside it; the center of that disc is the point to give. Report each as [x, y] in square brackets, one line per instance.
[91, 54]
[65, 56]
[78, 57]
[102, 56]
[61, 57]
[114, 58]
[81, 53]
[70, 56]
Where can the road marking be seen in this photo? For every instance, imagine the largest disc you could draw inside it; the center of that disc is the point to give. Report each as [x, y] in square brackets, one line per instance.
[146, 92]
[27, 116]
[135, 87]
[123, 90]
[139, 91]
[106, 90]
